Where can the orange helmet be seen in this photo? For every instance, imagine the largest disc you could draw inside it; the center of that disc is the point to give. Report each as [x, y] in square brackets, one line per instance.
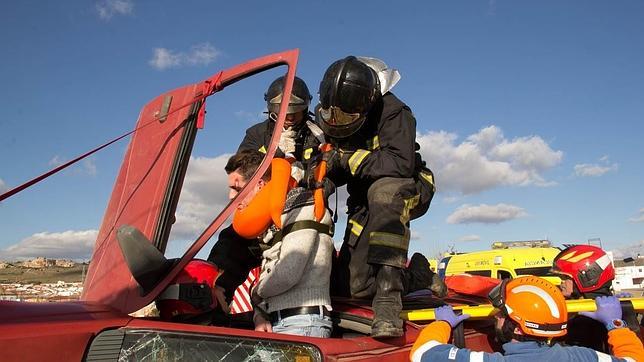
[588, 266]
[534, 304]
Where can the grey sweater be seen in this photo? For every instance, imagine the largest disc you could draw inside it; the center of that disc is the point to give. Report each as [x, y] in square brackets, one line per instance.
[296, 271]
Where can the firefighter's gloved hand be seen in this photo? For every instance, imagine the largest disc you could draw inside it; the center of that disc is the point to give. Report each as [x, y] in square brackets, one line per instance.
[446, 313]
[608, 309]
[336, 161]
[287, 141]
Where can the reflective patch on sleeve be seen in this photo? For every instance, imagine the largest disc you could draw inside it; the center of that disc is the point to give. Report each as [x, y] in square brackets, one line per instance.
[307, 153]
[452, 353]
[418, 354]
[356, 159]
[262, 149]
[356, 228]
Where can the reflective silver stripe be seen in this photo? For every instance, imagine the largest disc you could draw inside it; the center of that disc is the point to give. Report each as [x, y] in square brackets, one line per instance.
[356, 159]
[476, 356]
[171, 292]
[389, 240]
[602, 357]
[418, 354]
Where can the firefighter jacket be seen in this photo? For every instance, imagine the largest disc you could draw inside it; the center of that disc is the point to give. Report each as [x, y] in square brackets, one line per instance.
[385, 146]
[307, 142]
[431, 345]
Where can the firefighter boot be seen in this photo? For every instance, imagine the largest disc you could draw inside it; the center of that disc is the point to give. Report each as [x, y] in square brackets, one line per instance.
[387, 303]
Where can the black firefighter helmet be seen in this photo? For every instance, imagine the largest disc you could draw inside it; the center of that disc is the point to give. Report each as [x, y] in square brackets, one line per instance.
[348, 90]
[300, 96]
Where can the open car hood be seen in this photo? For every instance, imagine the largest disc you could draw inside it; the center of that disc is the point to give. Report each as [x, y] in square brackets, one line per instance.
[147, 187]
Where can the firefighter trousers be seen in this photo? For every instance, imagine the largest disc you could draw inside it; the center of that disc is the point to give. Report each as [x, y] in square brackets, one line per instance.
[378, 234]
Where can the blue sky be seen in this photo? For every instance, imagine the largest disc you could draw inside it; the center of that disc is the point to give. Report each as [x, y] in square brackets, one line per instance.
[530, 113]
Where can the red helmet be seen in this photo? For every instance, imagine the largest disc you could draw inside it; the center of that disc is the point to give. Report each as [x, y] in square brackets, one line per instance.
[191, 293]
[588, 266]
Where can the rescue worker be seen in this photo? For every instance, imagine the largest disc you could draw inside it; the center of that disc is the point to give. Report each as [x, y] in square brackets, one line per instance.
[587, 272]
[300, 138]
[375, 154]
[292, 294]
[531, 312]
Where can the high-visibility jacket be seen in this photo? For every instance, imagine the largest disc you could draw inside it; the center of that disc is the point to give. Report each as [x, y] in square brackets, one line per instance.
[432, 345]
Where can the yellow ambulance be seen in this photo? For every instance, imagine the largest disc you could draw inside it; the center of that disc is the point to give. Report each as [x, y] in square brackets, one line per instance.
[507, 259]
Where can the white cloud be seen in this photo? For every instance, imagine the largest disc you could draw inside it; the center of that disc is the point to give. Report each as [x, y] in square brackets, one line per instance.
[487, 214]
[108, 8]
[3, 186]
[251, 117]
[632, 250]
[69, 244]
[594, 169]
[471, 237]
[86, 167]
[204, 195]
[200, 54]
[638, 218]
[486, 160]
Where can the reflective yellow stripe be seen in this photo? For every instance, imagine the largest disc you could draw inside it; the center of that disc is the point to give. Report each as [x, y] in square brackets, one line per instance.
[429, 178]
[373, 143]
[410, 203]
[262, 149]
[356, 159]
[356, 229]
[307, 153]
[389, 240]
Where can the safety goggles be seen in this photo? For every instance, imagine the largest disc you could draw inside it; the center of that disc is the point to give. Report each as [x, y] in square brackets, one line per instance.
[336, 117]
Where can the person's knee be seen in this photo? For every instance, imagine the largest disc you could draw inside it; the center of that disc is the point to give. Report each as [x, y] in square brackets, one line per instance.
[387, 189]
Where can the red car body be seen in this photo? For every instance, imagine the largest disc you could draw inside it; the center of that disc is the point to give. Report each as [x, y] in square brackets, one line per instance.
[145, 195]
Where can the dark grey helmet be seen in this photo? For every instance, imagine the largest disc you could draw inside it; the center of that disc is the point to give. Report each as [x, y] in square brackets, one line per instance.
[300, 96]
[348, 90]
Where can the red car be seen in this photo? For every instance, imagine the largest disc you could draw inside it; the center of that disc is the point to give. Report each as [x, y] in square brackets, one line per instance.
[119, 281]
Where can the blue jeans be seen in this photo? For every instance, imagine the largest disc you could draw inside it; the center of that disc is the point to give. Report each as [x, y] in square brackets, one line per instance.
[310, 325]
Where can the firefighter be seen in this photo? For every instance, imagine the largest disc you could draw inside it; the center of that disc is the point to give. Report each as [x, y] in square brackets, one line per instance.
[586, 271]
[301, 136]
[375, 153]
[531, 311]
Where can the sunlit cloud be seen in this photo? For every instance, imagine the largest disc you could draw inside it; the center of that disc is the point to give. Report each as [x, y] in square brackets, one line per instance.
[109, 8]
[85, 167]
[69, 244]
[486, 160]
[486, 214]
[471, 237]
[632, 250]
[3, 186]
[638, 218]
[595, 169]
[200, 54]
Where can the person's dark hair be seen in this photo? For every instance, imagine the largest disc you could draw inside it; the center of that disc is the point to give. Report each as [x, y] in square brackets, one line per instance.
[246, 162]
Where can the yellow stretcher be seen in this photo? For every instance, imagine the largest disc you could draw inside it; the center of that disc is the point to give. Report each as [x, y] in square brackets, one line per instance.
[487, 310]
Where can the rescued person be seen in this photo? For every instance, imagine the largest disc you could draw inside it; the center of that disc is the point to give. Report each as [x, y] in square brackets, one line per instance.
[292, 294]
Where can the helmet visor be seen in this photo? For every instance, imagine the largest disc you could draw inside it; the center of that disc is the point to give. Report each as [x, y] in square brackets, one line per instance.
[496, 295]
[334, 116]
